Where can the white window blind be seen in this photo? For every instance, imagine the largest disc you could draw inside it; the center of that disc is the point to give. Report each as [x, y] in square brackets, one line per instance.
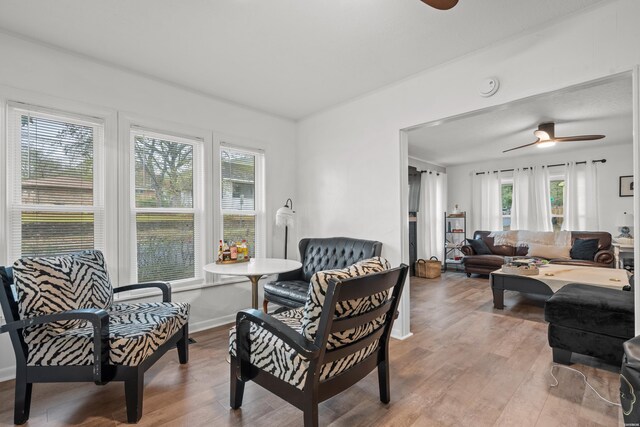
[241, 197]
[55, 176]
[166, 206]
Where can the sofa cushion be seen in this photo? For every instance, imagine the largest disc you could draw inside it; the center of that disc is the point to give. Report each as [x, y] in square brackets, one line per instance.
[479, 247]
[592, 308]
[548, 251]
[317, 292]
[135, 332]
[274, 356]
[47, 285]
[584, 249]
[295, 290]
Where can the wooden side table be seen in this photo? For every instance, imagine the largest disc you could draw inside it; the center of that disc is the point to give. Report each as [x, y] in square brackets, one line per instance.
[619, 248]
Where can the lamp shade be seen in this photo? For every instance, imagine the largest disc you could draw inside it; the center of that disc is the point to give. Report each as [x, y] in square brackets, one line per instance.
[625, 220]
[284, 217]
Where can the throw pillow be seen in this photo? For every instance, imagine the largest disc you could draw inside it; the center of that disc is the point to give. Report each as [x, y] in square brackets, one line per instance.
[584, 249]
[548, 251]
[479, 247]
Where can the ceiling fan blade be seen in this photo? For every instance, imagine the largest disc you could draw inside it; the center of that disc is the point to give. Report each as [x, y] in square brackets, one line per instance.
[522, 146]
[577, 138]
[441, 4]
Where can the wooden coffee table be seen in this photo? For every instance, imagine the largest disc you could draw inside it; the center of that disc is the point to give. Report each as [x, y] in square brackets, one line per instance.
[552, 277]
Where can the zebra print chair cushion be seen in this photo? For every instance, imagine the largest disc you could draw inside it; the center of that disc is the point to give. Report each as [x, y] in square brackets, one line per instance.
[316, 296]
[47, 285]
[272, 355]
[135, 333]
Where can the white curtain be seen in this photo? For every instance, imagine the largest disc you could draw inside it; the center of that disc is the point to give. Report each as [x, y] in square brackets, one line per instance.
[531, 205]
[486, 203]
[580, 195]
[430, 226]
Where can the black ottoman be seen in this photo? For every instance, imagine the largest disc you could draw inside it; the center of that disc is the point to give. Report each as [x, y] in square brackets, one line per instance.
[630, 382]
[589, 320]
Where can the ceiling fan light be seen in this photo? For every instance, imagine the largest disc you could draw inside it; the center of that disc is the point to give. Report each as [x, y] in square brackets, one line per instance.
[546, 144]
[541, 135]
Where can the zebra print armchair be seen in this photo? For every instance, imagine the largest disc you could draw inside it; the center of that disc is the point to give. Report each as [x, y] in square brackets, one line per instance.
[309, 354]
[65, 327]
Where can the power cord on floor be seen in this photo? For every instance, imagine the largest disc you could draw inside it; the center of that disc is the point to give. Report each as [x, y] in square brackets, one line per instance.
[585, 381]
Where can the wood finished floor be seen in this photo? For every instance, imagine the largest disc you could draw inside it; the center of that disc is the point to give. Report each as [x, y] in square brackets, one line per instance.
[466, 365]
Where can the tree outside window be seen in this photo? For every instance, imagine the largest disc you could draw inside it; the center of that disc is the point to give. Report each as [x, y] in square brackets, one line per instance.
[556, 192]
[507, 202]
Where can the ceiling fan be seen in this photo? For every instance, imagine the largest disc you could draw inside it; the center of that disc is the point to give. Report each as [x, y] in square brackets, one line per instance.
[547, 137]
[441, 4]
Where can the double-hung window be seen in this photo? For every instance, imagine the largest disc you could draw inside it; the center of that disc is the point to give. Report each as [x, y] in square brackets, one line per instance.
[55, 182]
[166, 173]
[242, 197]
[556, 194]
[506, 189]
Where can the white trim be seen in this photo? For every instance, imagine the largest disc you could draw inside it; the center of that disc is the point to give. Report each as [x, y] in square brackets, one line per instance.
[198, 140]
[212, 323]
[259, 211]
[400, 337]
[14, 206]
[402, 326]
[8, 373]
[636, 173]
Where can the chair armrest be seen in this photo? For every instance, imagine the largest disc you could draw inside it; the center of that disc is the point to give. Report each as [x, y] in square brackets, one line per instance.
[163, 286]
[467, 250]
[288, 335]
[604, 257]
[98, 318]
[290, 275]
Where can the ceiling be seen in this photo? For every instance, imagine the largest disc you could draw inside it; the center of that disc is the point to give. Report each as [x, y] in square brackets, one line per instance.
[287, 57]
[604, 108]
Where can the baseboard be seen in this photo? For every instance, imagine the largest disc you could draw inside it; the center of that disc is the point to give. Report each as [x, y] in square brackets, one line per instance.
[8, 373]
[401, 337]
[212, 323]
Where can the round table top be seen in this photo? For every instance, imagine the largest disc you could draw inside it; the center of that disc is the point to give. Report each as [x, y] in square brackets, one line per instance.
[255, 267]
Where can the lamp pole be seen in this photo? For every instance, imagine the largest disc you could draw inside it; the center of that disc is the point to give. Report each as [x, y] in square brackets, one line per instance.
[283, 217]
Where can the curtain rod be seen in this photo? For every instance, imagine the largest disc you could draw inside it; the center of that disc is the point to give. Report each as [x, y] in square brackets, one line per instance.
[549, 166]
[437, 173]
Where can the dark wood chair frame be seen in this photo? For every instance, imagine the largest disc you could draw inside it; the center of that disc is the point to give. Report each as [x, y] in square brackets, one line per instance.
[101, 372]
[315, 390]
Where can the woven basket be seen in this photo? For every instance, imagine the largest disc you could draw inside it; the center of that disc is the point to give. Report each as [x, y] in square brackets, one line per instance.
[429, 269]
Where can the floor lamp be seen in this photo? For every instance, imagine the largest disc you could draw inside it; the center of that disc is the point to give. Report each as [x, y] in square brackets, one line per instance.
[284, 218]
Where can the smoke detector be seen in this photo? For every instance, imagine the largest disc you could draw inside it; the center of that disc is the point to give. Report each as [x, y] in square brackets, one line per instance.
[489, 86]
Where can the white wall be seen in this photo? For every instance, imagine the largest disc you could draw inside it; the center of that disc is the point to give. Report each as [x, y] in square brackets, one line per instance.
[349, 156]
[619, 162]
[53, 74]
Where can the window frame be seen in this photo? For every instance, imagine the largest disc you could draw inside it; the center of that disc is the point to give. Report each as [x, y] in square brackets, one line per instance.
[199, 182]
[504, 182]
[559, 176]
[116, 142]
[14, 205]
[259, 211]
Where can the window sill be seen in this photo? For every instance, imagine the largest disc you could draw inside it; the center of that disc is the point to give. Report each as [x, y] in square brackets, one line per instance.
[179, 287]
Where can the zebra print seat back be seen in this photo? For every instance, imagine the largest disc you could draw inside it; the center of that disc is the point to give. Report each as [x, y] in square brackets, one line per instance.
[316, 296]
[47, 285]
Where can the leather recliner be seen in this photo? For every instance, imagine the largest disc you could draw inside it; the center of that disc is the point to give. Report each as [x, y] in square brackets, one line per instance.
[290, 289]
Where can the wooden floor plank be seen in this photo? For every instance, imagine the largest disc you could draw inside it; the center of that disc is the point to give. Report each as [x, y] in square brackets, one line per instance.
[466, 364]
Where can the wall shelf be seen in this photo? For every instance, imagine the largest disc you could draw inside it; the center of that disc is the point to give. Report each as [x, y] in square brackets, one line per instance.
[453, 240]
